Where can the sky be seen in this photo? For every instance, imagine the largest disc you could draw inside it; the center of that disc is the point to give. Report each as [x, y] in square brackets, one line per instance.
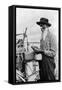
[26, 17]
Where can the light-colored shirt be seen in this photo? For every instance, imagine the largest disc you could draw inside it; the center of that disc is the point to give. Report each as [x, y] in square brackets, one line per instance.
[49, 44]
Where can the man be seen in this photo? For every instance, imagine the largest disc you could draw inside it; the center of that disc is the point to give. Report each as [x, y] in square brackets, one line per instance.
[48, 47]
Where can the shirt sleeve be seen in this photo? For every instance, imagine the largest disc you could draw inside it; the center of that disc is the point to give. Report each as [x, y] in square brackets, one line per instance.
[53, 45]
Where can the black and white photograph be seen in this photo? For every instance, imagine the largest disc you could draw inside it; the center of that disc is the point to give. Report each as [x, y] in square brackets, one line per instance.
[37, 45]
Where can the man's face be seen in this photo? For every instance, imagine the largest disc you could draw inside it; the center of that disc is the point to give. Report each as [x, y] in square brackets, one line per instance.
[44, 27]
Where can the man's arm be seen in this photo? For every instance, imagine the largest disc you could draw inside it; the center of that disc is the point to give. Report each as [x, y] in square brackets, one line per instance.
[53, 47]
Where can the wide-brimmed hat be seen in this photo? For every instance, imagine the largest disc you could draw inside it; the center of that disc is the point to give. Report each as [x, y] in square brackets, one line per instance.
[43, 21]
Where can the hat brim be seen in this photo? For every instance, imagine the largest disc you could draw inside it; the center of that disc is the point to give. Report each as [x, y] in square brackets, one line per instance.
[42, 23]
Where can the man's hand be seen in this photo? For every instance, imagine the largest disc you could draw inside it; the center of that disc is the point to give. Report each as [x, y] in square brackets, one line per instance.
[37, 50]
[38, 57]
